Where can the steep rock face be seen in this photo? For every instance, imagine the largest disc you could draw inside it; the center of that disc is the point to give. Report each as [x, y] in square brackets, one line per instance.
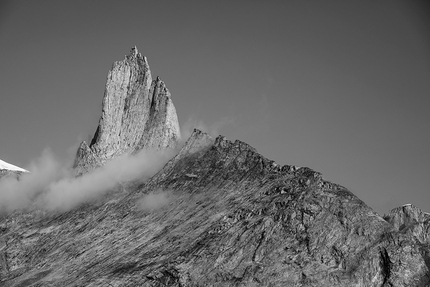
[137, 113]
[233, 218]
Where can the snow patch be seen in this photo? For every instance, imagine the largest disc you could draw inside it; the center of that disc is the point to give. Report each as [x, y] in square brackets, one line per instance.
[5, 165]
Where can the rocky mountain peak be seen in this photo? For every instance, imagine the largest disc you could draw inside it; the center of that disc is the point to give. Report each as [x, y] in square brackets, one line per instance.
[137, 113]
[134, 53]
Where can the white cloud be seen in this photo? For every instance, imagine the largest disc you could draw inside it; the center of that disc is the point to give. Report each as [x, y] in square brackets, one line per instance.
[52, 186]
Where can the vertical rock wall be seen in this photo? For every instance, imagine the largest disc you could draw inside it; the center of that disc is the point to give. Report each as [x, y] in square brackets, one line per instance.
[137, 114]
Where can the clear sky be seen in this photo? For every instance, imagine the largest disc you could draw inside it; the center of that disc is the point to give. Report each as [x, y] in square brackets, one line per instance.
[342, 87]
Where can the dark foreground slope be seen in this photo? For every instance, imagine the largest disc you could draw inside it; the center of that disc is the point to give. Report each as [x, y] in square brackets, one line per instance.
[226, 216]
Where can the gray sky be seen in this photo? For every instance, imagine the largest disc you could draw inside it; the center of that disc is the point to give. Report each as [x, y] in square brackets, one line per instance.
[339, 86]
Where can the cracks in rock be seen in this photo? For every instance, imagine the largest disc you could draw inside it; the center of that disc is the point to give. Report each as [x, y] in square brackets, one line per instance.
[385, 264]
[96, 136]
[260, 242]
[169, 277]
[4, 266]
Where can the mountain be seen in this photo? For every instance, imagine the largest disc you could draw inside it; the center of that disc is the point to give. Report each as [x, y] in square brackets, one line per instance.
[137, 114]
[217, 214]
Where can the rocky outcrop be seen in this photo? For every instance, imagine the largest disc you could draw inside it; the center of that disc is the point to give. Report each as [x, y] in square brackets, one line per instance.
[413, 223]
[232, 218]
[137, 113]
[10, 173]
[411, 220]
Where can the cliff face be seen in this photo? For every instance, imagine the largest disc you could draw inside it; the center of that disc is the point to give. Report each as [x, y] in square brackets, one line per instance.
[137, 113]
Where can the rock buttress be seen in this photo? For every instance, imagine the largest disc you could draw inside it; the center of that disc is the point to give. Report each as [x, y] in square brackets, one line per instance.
[137, 114]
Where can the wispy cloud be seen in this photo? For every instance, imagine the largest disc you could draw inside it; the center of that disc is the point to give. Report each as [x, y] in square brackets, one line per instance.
[52, 186]
[154, 200]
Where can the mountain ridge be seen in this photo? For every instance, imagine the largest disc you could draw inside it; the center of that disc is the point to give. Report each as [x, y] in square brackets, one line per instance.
[233, 218]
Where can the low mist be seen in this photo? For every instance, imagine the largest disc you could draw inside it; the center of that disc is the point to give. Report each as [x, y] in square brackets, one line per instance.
[51, 185]
[154, 200]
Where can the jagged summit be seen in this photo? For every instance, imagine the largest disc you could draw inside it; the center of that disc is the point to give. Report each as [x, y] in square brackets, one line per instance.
[135, 53]
[137, 113]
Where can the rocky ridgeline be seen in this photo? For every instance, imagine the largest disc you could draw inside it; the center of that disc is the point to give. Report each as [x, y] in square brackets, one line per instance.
[137, 114]
[273, 225]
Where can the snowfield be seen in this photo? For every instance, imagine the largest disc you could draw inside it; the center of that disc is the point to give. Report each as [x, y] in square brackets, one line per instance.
[5, 165]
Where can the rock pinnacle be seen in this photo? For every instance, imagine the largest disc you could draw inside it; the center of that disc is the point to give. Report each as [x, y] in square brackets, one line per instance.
[137, 114]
